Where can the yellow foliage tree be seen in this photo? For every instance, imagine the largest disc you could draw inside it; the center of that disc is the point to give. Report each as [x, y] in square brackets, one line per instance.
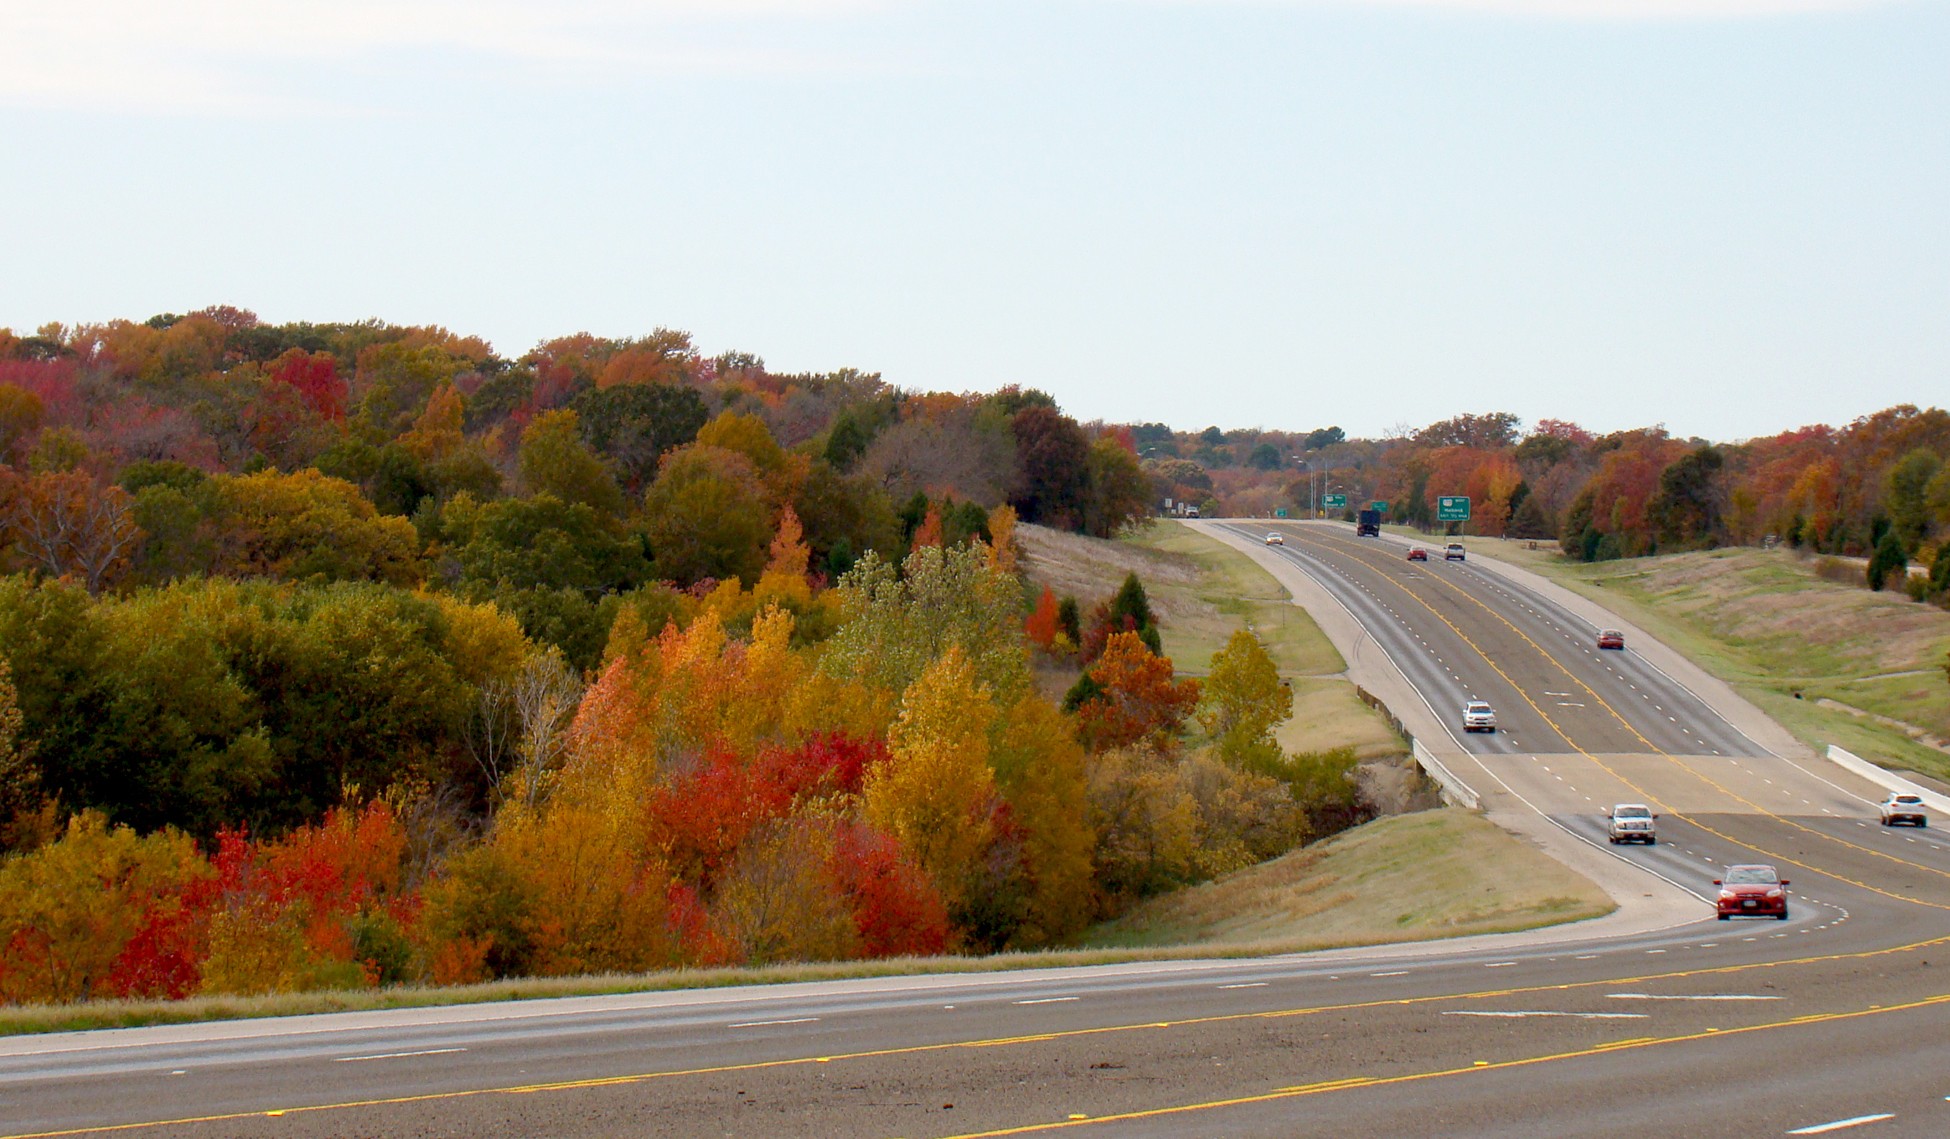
[1242, 699]
[1002, 538]
[1039, 767]
[68, 909]
[934, 796]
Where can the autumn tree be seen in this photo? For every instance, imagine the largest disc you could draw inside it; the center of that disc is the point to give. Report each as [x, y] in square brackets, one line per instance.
[934, 796]
[1041, 627]
[1136, 697]
[69, 909]
[63, 524]
[306, 526]
[1052, 468]
[1243, 700]
[899, 624]
[20, 416]
[1120, 493]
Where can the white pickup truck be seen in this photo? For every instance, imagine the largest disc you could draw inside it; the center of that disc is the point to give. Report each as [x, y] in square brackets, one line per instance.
[1632, 822]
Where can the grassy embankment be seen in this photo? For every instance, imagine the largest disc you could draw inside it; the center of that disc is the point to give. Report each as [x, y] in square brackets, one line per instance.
[1767, 623]
[1203, 590]
[1417, 877]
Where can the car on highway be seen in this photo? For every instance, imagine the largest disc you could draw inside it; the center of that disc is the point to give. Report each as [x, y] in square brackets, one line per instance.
[1752, 891]
[1632, 822]
[1611, 639]
[1478, 716]
[1453, 552]
[1902, 808]
[1418, 554]
[1275, 540]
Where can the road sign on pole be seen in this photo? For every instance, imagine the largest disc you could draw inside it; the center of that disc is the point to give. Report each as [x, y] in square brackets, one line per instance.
[1334, 501]
[1381, 505]
[1452, 508]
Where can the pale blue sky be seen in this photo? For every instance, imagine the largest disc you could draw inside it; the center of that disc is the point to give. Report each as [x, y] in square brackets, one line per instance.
[1730, 216]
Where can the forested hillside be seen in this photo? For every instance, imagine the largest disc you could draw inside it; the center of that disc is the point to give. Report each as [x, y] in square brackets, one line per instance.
[347, 655]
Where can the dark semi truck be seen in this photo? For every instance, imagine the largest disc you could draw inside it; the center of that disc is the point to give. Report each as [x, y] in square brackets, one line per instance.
[1368, 524]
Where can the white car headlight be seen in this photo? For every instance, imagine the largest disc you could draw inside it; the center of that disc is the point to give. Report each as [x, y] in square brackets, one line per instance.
[1727, 895]
[1774, 893]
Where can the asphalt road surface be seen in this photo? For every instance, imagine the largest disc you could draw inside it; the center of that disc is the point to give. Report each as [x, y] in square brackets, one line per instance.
[1836, 1020]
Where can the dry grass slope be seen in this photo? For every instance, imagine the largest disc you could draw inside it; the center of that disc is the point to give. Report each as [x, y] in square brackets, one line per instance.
[1432, 874]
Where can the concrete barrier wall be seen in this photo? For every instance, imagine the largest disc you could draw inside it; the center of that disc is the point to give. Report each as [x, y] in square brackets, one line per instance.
[1453, 789]
[1888, 780]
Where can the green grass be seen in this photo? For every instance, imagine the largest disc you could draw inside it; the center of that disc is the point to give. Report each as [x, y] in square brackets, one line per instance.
[1766, 623]
[1234, 592]
[1433, 874]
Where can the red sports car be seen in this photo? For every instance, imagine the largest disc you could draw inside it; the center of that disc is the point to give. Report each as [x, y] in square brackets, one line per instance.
[1417, 554]
[1752, 891]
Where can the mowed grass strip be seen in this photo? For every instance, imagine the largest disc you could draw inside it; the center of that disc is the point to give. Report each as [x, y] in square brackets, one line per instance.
[1232, 591]
[1432, 874]
[1766, 622]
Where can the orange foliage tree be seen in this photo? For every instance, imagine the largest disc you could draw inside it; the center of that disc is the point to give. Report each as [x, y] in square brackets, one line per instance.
[1136, 697]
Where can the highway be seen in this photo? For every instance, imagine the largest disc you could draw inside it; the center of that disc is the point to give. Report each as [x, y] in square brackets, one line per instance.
[1658, 1021]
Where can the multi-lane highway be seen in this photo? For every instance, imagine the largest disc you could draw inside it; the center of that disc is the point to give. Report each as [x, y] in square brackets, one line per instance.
[1658, 1021]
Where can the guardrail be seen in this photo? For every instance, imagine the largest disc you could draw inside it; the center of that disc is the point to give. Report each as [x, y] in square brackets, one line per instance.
[1453, 789]
[1887, 780]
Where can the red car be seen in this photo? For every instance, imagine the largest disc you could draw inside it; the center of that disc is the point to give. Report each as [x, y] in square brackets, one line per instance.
[1611, 639]
[1752, 891]
[1417, 554]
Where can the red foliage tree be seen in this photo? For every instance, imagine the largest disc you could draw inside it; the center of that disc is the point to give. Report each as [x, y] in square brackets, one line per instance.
[1041, 626]
[315, 376]
[896, 909]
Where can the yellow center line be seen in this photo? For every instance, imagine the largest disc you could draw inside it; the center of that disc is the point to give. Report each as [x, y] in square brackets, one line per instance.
[1360, 555]
[992, 1042]
[1360, 1083]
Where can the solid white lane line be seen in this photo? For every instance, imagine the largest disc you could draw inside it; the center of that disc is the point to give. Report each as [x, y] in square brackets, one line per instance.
[768, 1023]
[393, 1055]
[1246, 985]
[1396, 973]
[1685, 997]
[1498, 964]
[1857, 1121]
[1047, 1000]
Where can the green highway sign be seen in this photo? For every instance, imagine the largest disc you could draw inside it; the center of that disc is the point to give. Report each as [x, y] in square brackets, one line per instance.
[1452, 508]
[1334, 501]
[1381, 505]
[1279, 512]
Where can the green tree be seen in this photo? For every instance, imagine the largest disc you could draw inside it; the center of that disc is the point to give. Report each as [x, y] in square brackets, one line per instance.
[1120, 494]
[303, 526]
[1888, 559]
[708, 515]
[554, 460]
[635, 425]
[541, 543]
[1906, 495]
[1243, 700]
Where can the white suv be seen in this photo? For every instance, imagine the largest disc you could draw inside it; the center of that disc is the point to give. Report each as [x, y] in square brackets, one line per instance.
[1900, 808]
[1478, 716]
[1632, 822]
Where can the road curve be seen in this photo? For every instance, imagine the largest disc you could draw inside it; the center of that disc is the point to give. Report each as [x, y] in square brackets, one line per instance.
[1657, 1021]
